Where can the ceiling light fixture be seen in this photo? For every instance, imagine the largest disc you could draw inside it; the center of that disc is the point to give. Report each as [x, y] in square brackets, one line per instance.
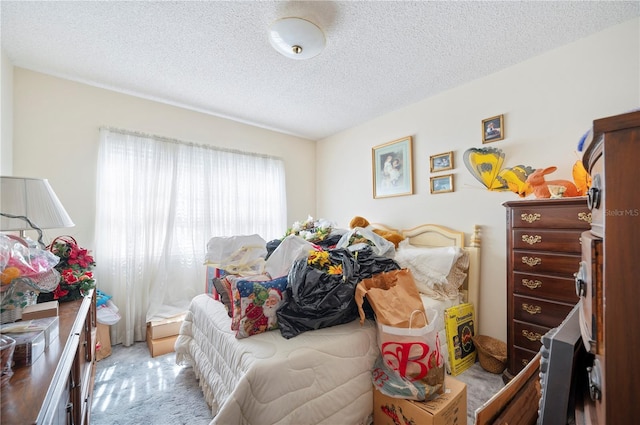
[296, 38]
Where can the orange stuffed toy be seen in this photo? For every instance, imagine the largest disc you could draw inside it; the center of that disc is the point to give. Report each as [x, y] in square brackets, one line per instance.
[393, 237]
[540, 187]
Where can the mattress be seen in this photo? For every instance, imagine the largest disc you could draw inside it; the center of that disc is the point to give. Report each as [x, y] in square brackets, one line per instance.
[318, 377]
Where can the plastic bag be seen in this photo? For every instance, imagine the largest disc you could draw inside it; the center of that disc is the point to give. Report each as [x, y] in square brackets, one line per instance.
[364, 237]
[332, 240]
[101, 298]
[390, 383]
[7, 347]
[288, 251]
[242, 255]
[15, 297]
[272, 245]
[107, 314]
[25, 271]
[370, 263]
[23, 258]
[317, 299]
[414, 355]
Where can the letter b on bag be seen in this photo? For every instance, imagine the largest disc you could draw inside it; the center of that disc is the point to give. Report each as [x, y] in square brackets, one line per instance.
[409, 359]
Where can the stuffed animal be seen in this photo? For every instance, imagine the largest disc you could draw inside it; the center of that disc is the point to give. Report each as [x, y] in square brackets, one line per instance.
[393, 237]
[540, 186]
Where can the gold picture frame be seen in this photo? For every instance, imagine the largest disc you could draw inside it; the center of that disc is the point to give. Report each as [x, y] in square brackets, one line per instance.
[493, 129]
[441, 184]
[392, 168]
[441, 162]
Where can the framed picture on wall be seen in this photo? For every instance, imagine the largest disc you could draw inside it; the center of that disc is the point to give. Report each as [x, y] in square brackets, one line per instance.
[441, 162]
[392, 168]
[493, 129]
[442, 184]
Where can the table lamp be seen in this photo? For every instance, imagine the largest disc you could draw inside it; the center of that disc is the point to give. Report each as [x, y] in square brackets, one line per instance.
[28, 203]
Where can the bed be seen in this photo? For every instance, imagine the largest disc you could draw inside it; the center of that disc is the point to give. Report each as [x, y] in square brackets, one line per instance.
[321, 376]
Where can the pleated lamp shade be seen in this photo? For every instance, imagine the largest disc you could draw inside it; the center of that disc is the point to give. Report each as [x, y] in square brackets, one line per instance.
[33, 199]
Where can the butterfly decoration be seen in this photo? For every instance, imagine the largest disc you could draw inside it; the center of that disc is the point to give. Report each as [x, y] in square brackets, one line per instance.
[486, 165]
[581, 177]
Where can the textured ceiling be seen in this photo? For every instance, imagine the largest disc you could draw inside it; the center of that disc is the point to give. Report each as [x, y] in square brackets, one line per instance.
[215, 57]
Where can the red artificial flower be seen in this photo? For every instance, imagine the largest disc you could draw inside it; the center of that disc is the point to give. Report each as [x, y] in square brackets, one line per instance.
[69, 277]
[80, 256]
[59, 292]
[74, 265]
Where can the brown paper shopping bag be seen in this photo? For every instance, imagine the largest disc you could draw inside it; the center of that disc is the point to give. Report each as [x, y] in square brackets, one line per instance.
[407, 336]
[394, 297]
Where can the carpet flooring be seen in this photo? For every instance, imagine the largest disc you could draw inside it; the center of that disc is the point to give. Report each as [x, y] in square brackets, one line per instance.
[133, 388]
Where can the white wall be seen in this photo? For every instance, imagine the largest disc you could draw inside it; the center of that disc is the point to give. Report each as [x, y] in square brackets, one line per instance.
[56, 137]
[6, 115]
[548, 103]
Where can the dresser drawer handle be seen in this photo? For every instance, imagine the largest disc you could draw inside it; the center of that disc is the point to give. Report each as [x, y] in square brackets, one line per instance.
[585, 217]
[532, 309]
[531, 239]
[532, 261]
[530, 218]
[532, 284]
[525, 362]
[581, 279]
[531, 336]
[594, 193]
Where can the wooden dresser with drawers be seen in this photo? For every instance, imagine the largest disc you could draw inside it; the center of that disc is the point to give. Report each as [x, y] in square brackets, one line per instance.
[543, 254]
[609, 277]
[58, 387]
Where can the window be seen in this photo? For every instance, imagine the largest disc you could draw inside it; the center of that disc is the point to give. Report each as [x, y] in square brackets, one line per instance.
[159, 201]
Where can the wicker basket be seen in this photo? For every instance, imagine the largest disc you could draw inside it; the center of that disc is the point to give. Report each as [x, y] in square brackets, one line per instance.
[46, 281]
[14, 297]
[492, 353]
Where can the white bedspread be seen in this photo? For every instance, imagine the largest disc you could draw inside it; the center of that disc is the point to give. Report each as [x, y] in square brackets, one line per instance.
[318, 377]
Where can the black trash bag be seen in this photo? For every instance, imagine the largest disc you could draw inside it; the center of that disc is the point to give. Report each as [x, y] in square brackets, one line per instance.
[330, 241]
[271, 246]
[369, 263]
[316, 299]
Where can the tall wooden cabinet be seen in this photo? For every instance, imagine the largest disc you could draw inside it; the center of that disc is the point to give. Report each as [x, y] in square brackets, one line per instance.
[58, 387]
[609, 278]
[543, 253]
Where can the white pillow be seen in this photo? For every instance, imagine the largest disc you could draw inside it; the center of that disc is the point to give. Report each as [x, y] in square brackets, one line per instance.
[438, 272]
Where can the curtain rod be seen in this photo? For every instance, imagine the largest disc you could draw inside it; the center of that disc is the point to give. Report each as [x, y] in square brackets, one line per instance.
[182, 142]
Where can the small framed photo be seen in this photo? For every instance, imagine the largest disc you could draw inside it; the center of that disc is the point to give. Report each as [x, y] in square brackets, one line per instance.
[493, 129]
[442, 184]
[441, 162]
[392, 168]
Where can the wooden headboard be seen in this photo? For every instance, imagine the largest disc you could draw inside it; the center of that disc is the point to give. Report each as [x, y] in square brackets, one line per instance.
[433, 235]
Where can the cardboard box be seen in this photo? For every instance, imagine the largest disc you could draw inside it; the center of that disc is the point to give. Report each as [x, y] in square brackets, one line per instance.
[166, 327]
[459, 324]
[160, 346]
[103, 341]
[162, 334]
[39, 311]
[449, 408]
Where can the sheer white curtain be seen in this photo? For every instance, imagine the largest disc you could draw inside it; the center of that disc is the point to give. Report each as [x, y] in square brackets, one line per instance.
[159, 201]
